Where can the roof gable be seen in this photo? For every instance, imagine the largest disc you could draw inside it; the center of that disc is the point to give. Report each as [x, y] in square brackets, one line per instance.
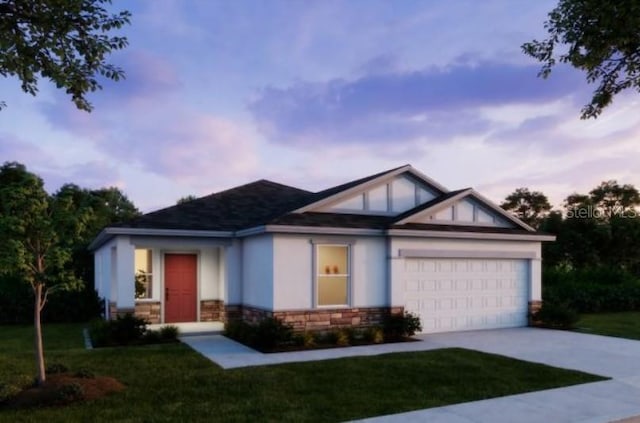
[386, 193]
[423, 204]
[462, 207]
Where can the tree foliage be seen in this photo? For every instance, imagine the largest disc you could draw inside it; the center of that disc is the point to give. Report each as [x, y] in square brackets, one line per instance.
[529, 206]
[65, 41]
[45, 238]
[598, 37]
[598, 229]
[186, 199]
[30, 245]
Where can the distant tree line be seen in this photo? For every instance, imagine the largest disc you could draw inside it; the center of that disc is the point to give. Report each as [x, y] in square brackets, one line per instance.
[45, 239]
[594, 229]
[594, 264]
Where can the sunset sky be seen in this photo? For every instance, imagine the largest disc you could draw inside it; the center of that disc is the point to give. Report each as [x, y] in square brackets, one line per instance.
[316, 93]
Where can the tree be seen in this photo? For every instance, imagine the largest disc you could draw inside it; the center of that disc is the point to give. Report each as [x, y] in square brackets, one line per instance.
[604, 201]
[615, 199]
[598, 37]
[86, 212]
[64, 41]
[186, 199]
[529, 206]
[30, 244]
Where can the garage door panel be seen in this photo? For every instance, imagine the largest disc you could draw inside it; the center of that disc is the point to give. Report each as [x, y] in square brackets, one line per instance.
[466, 294]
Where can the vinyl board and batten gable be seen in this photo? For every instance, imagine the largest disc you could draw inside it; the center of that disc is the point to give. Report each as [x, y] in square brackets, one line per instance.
[466, 207]
[389, 197]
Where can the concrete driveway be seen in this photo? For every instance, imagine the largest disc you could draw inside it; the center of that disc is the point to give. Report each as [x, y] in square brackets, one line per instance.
[605, 401]
[597, 402]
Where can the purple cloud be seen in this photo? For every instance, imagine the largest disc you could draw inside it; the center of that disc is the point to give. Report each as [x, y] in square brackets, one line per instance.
[434, 103]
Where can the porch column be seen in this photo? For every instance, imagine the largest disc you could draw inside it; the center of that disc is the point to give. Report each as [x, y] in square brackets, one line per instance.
[125, 274]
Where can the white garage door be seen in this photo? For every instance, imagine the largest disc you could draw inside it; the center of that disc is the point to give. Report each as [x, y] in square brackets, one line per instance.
[466, 294]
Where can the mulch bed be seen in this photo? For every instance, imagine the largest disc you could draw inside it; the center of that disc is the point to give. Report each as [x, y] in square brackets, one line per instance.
[56, 392]
[324, 346]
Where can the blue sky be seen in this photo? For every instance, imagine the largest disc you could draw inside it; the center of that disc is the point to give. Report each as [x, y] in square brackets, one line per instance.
[316, 93]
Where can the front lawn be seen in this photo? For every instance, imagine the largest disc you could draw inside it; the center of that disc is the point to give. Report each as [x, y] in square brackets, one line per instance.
[173, 383]
[621, 324]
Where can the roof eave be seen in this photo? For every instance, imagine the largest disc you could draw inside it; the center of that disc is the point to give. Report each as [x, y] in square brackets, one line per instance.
[471, 235]
[107, 233]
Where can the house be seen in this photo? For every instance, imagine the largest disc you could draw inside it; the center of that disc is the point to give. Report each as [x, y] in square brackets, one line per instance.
[392, 241]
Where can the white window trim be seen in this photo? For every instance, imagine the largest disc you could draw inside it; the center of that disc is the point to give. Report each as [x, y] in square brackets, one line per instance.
[316, 274]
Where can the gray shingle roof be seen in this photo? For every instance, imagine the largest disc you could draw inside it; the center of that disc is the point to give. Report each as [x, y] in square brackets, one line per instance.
[269, 203]
[238, 208]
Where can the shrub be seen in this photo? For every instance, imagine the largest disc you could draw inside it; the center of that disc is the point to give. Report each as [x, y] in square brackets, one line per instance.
[374, 335]
[84, 374]
[342, 338]
[125, 330]
[169, 333]
[70, 392]
[151, 337]
[56, 368]
[16, 303]
[240, 331]
[272, 332]
[593, 289]
[557, 316]
[268, 334]
[398, 326]
[7, 391]
[308, 340]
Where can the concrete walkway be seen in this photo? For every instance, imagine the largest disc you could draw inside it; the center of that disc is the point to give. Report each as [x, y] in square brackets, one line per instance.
[606, 401]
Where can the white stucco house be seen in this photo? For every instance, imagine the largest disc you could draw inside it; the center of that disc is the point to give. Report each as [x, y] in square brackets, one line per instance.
[343, 256]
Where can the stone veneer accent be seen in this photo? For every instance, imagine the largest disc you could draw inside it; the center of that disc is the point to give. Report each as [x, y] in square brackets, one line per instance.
[148, 310]
[113, 309]
[318, 319]
[534, 308]
[212, 311]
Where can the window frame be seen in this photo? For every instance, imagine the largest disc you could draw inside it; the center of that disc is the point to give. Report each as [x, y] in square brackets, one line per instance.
[149, 275]
[317, 273]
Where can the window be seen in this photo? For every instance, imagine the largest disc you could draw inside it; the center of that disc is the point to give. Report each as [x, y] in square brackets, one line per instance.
[404, 194]
[332, 275]
[378, 199]
[144, 273]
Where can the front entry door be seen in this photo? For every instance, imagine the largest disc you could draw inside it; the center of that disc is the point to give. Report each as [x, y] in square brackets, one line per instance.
[180, 294]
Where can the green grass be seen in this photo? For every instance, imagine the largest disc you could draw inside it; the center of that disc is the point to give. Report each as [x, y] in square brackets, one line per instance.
[620, 324]
[173, 383]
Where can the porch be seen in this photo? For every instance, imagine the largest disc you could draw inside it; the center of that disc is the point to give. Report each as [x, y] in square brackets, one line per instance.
[164, 280]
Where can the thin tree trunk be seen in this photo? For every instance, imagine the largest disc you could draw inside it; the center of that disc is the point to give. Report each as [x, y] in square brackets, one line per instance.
[39, 350]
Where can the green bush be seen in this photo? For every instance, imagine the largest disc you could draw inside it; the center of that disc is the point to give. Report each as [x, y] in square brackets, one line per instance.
[267, 335]
[272, 332]
[56, 368]
[592, 290]
[374, 335]
[169, 333]
[84, 374]
[16, 303]
[69, 392]
[125, 330]
[7, 391]
[397, 326]
[557, 316]
[240, 331]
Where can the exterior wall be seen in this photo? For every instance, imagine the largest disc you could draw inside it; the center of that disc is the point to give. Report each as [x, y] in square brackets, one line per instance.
[232, 259]
[315, 320]
[492, 248]
[294, 276]
[257, 272]
[212, 311]
[148, 310]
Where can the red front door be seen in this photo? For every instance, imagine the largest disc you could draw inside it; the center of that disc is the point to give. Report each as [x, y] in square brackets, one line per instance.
[180, 295]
